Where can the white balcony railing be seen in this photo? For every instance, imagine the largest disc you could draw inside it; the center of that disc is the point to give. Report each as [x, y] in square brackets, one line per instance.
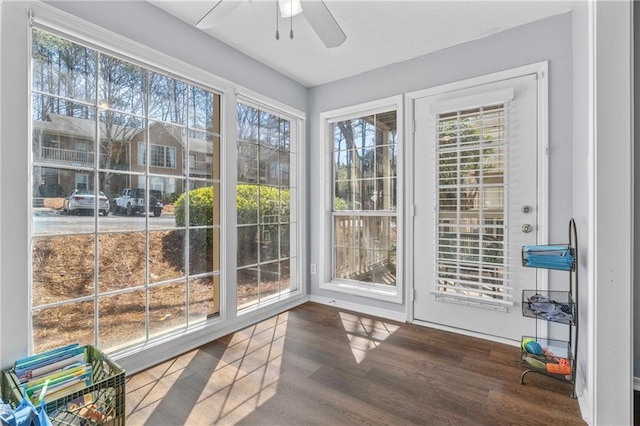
[198, 167]
[71, 156]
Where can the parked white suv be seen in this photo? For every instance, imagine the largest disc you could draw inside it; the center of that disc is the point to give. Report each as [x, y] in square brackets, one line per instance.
[132, 202]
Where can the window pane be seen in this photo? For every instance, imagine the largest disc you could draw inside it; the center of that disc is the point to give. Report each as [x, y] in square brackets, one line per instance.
[58, 207]
[63, 268]
[58, 127]
[269, 280]
[204, 300]
[61, 325]
[247, 162]
[365, 248]
[165, 141]
[201, 153]
[269, 130]
[247, 123]
[248, 294]
[122, 261]
[200, 251]
[63, 68]
[287, 270]
[247, 245]
[285, 169]
[121, 320]
[247, 204]
[166, 255]
[285, 241]
[269, 242]
[201, 110]
[166, 308]
[285, 135]
[122, 85]
[201, 205]
[269, 166]
[168, 99]
[119, 133]
[130, 203]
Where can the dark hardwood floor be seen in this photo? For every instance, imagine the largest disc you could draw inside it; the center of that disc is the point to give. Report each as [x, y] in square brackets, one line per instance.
[321, 365]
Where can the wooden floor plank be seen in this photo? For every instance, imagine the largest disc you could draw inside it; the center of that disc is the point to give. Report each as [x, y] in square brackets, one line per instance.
[320, 365]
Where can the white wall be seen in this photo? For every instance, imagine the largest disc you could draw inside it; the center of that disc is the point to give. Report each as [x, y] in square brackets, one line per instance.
[636, 370]
[146, 24]
[611, 201]
[545, 40]
[14, 144]
[581, 189]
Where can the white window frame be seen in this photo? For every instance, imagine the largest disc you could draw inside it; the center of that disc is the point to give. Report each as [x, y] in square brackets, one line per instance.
[374, 291]
[142, 149]
[296, 181]
[57, 21]
[83, 178]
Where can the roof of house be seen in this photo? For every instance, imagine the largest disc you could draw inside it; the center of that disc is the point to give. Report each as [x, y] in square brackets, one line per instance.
[82, 128]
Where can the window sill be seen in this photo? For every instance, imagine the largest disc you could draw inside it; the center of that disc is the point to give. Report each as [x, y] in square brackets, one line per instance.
[372, 291]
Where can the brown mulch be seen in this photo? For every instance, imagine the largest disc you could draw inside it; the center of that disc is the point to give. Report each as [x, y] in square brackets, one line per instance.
[64, 269]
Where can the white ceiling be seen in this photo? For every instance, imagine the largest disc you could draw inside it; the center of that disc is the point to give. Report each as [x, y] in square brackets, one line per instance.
[378, 32]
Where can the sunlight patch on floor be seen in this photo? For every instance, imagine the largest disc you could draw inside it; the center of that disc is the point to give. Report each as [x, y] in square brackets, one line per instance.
[365, 334]
[241, 379]
[246, 375]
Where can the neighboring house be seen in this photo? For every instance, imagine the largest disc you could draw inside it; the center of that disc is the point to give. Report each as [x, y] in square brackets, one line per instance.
[168, 156]
[69, 142]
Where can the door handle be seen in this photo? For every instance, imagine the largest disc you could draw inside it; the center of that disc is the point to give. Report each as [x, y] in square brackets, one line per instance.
[526, 228]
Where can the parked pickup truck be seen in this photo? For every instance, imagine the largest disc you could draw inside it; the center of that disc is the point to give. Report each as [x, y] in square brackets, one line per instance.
[132, 202]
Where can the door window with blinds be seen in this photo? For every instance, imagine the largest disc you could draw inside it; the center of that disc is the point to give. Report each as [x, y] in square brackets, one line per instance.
[479, 164]
[470, 216]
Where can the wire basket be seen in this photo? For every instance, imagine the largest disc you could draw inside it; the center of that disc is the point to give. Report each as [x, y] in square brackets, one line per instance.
[561, 257]
[547, 356]
[555, 306]
[101, 403]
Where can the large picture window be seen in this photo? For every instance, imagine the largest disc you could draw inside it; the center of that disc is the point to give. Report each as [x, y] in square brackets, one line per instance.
[123, 250]
[266, 206]
[363, 249]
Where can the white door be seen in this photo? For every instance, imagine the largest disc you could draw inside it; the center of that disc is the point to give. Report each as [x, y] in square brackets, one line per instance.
[476, 180]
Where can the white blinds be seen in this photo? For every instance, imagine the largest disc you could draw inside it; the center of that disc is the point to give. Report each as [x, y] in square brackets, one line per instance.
[470, 252]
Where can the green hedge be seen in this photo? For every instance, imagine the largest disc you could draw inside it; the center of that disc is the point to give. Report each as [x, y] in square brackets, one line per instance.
[200, 207]
[270, 203]
[274, 205]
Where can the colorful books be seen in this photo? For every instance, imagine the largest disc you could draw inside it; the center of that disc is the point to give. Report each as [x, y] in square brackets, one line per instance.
[54, 374]
[40, 364]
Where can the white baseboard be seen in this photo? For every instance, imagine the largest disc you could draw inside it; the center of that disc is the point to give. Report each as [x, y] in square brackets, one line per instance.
[468, 333]
[363, 309]
[584, 401]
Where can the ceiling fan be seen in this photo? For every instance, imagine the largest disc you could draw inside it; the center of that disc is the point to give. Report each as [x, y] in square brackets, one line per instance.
[315, 11]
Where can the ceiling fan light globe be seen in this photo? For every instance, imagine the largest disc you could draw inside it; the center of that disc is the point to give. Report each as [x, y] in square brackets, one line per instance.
[289, 8]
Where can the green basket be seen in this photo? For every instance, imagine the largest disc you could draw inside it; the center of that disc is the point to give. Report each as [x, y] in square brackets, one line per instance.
[101, 403]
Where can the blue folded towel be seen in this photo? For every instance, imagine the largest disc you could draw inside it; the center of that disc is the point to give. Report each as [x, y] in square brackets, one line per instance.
[549, 257]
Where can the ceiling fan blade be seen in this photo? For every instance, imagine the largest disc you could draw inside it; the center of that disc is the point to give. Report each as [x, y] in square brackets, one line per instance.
[323, 22]
[216, 15]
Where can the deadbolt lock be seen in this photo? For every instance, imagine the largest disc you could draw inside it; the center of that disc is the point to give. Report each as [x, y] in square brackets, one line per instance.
[526, 209]
[526, 228]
